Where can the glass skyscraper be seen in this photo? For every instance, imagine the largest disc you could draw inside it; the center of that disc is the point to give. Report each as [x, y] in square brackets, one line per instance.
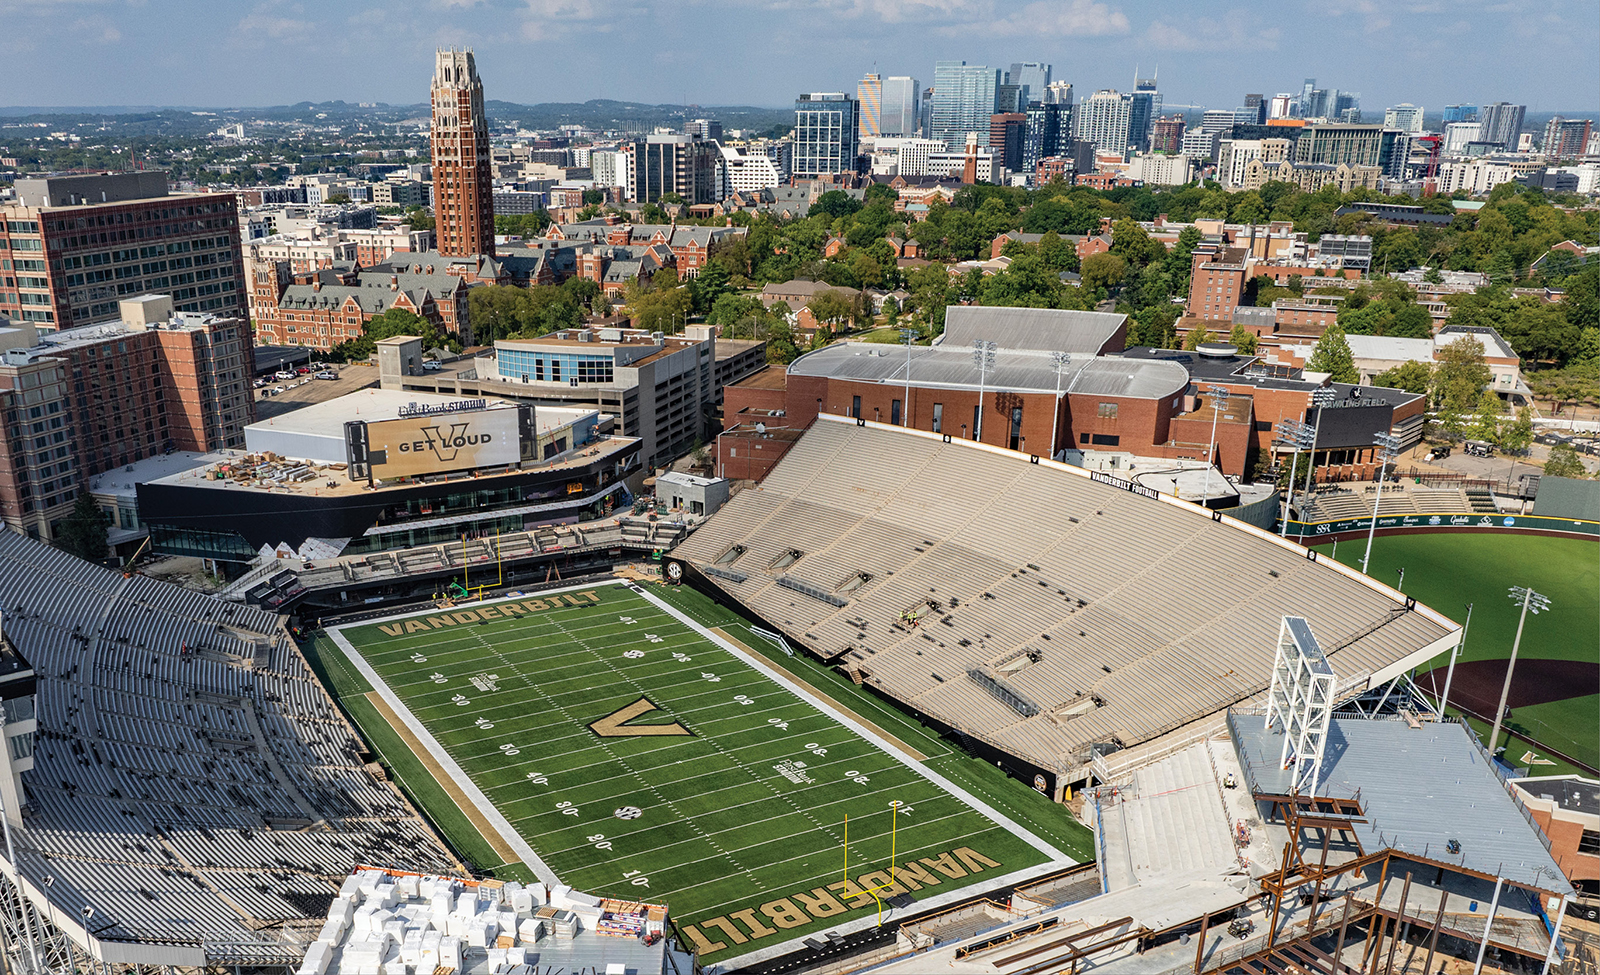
[963, 100]
[902, 108]
[825, 134]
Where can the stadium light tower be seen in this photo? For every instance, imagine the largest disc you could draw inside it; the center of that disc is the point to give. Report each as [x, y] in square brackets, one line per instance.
[1219, 402]
[1537, 604]
[908, 336]
[1062, 360]
[1299, 436]
[1388, 446]
[1450, 674]
[983, 357]
[1322, 397]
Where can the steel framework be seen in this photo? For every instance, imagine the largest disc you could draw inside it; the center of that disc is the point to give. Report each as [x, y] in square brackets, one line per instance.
[1300, 702]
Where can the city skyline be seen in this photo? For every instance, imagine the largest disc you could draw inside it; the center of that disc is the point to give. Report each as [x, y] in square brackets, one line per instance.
[79, 52]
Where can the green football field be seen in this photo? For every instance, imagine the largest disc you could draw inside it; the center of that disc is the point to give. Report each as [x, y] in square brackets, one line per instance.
[1449, 570]
[621, 748]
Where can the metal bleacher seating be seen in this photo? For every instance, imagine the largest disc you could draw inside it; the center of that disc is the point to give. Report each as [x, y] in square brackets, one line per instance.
[1125, 618]
[190, 788]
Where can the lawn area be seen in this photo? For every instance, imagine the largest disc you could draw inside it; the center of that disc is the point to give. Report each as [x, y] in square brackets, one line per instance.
[633, 756]
[1447, 571]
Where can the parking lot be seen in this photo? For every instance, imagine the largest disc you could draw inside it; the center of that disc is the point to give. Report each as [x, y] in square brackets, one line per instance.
[306, 390]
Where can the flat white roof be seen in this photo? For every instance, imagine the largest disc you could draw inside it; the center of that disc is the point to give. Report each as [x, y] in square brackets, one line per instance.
[329, 417]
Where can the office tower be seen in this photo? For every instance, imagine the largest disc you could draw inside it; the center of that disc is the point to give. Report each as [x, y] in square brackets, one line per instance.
[1302, 103]
[901, 107]
[869, 95]
[824, 134]
[1502, 123]
[1460, 113]
[1143, 108]
[1354, 145]
[1566, 138]
[963, 99]
[1257, 104]
[74, 245]
[1007, 97]
[683, 164]
[1103, 118]
[705, 128]
[1347, 106]
[925, 113]
[1281, 106]
[1406, 117]
[1031, 79]
[463, 187]
[1007, 131]
[1166, 134]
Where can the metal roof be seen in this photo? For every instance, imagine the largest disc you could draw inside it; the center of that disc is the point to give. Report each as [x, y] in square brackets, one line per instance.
[1016, 370]
[1419, 789]
[1043, 329]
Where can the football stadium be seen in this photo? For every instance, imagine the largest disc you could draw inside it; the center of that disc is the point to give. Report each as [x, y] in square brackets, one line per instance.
[1009, 598]
[617, 745]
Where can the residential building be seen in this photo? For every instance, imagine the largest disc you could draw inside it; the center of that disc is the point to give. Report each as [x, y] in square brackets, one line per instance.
[1197, 143]
[1460, 113]
[1047, 130]
[1006, 136]
[73, 246]
[869, 95]
[1280, 106]
[709, 129]
[825, 130]
[1457, 135]
[82, 401]
[1234, 156]
[1566, 138]
[903, 157]
[1104, 120]
[1502, 123]
[1166, 134]
[609, 167]
[512, 202]
[901, 110]
[1143, 109]
[963, 99]
[1480, 175]
[1161, 169]
[1031, 79]
[1406, 117]
[687, 165]
[463, 186]
[750, 167]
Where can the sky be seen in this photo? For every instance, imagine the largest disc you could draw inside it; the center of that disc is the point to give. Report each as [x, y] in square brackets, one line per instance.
[214, 53]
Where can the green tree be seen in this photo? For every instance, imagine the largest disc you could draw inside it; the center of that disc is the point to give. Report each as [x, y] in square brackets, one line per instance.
[1244, 340]
[85, 531]
[1332, 356]
[395, 321]
[418, 219]
[835, 204]
[831, 307]
[1486, 424]
[1413, 377]
[1196, 338]
[1564, 462]
[1518, 437]
[1103, 272]
[1460, 376]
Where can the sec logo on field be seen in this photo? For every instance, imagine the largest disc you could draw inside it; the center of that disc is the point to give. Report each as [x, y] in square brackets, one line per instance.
[628, 812]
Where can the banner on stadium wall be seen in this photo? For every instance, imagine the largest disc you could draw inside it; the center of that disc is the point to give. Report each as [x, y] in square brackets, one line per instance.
[435, 444]
[1465, 521]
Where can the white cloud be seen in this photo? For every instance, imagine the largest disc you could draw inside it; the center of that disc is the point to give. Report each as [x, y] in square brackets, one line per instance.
[1078, 18]
[97, 30]
[1231, 30]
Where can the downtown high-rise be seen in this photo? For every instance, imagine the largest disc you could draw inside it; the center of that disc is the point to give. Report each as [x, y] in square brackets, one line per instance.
[463, 187]
[901, 110]
[825, 127]
[963, 99]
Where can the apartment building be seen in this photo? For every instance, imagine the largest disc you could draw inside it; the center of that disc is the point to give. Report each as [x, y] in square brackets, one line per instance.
[79, 402]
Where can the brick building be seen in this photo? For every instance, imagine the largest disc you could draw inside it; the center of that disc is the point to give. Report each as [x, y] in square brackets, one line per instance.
[463, 185]
[83, 401]
[75, 245]
[321, 308]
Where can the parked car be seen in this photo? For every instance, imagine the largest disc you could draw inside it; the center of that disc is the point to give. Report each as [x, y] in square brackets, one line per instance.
[277, 389]
[303, 370]
[283, 374]
[428, 365]
[327, 374]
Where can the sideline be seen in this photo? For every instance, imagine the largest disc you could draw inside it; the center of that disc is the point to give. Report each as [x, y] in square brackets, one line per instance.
[463, 803]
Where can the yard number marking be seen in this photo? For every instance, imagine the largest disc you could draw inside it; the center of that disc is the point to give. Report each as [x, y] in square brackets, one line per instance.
[681, 658]
[743, 699]
[484, 724]
[600, 842]
[778, 723]
[438, 678]
[816, 750]
[713, 678]
[538, 779]
[510, 750]
[654, 638]
[627, 619]
[567, 808]
[418, 658]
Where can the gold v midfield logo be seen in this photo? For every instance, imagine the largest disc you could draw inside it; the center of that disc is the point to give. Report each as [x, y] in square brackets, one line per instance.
[615, 724]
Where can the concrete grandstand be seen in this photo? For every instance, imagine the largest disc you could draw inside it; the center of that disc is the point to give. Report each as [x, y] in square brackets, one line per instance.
[194, 799]
[1050, 615]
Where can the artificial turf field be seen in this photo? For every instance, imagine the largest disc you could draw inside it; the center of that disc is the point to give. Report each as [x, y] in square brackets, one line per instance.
[632, 754]
[1560, 648]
